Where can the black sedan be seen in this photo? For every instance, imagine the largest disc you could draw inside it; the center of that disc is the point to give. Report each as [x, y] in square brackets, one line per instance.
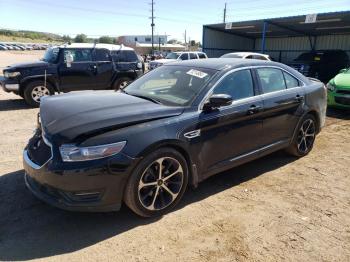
[171, 128]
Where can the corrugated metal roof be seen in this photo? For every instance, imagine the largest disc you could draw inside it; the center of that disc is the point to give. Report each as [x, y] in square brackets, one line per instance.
[326, 24]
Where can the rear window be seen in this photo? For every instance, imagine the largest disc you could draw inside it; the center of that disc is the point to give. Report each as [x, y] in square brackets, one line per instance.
[291, 81]
[124, 56]
[271, 79]
[231, 56]
[201, 56]
[101, 55]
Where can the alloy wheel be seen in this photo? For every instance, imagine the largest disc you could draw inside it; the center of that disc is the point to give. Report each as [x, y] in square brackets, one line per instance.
[38, 92]
[123, 84]
[306, 136]
[160, 183]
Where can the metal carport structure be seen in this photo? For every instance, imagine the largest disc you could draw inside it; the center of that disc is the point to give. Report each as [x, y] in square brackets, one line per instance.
[282, 38]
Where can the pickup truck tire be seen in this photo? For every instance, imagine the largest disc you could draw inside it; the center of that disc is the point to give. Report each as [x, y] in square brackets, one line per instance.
[33, 92]
[121, 83]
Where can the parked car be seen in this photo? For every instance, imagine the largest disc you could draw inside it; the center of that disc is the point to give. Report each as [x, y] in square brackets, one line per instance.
[247, 55]
[71, 68]
[3, 47]
[173, 127]
[177, 56]
[9, 47]
[323, 65]
[339, 90]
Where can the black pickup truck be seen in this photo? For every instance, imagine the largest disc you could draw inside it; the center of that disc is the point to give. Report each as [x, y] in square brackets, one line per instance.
[73, 67]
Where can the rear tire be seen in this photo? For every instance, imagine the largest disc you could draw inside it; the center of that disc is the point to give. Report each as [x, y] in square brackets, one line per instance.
[157, 184]
[121, 83]
[35, 90]
[304, 139]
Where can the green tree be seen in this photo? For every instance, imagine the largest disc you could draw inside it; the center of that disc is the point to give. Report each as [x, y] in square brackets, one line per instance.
[66, 38]
[105, 40]
[81, 38]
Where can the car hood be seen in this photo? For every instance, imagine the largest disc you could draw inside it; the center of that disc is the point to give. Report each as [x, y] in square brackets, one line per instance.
[164, 61]
[28, 65]
[86, 113]
[342, 80]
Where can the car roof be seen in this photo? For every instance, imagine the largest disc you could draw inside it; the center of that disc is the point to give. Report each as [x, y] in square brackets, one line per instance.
[227, 63]
[194, 52]
[248, 53]
[99, 46]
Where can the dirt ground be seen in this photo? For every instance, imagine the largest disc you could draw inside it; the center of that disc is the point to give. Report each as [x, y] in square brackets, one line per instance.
[276, 208]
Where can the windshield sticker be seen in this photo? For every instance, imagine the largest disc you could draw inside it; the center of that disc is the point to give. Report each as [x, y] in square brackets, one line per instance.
[197, 73]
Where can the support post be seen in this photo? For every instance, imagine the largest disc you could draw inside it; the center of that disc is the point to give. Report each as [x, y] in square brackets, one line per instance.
[152, 25]
[263, 37]
[225, 13]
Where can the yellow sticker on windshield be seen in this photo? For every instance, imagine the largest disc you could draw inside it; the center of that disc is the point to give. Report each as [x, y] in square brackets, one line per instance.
[197, 73]
[317, 58]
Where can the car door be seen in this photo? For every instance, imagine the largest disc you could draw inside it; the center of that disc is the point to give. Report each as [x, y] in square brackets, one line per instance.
[230, 133]
[104, 68]
[283, 97]
[80, 73]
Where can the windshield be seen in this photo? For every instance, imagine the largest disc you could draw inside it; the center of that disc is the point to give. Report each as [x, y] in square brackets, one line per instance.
[172, 56]
[171, 85]
[51, 55]
[232, 56]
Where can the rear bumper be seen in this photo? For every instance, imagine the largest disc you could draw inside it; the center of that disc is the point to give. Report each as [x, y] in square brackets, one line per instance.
[97, 186]
[9, 85]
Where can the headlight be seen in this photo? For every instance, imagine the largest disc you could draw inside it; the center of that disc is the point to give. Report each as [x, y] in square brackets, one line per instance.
[71, 153]
[11, 74]
[330, 87]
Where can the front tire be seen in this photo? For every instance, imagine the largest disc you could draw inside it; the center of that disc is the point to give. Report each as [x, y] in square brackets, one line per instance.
[157, 183]
[35, 90]
[304, 139]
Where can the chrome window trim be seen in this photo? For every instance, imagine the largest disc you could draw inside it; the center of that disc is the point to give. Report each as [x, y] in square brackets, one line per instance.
[210, 92]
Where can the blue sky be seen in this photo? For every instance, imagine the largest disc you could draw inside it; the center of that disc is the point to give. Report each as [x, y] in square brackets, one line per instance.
[173, 17]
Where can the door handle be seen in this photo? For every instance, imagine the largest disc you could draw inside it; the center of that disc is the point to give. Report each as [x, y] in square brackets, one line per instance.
[253, 109]
[93, 67]
[299, 98]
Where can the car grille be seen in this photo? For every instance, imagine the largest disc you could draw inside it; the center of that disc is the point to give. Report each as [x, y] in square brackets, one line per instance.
[38, 151]
[342, 100]
[343, 92]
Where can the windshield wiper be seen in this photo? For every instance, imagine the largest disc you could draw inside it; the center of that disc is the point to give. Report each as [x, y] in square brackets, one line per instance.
[147, 98]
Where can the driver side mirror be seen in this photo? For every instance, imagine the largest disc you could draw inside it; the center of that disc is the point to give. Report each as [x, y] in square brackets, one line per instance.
[216, 101]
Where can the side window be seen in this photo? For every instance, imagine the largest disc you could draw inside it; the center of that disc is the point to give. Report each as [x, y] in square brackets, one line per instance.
[184, 56]
[78, 55]
[238, 85]
[291, 81]
[193, 56]
[271, 79]
[249, 57]
[201, 56]
[101, 55]
[124, 56]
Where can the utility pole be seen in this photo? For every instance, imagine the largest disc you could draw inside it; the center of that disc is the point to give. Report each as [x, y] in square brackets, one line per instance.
[185, 39]
[225, 13]
[152, 25]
